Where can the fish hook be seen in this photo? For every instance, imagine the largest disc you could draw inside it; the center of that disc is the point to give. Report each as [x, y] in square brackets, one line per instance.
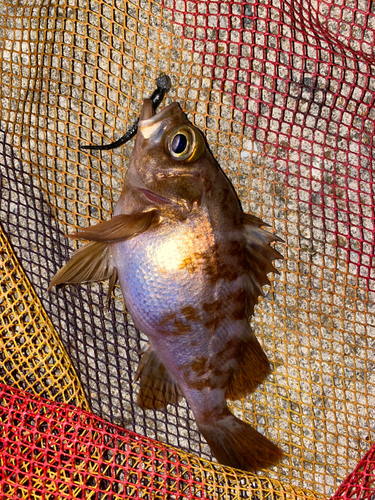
[163, 83]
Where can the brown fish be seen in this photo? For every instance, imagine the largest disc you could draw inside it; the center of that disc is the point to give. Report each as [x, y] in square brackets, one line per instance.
[191, 265]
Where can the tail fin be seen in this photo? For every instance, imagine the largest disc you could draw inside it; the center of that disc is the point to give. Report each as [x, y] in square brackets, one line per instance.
[237, 444]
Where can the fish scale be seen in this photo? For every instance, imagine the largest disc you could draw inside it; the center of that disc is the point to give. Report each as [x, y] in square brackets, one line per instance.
[191, 266]
[164, 258]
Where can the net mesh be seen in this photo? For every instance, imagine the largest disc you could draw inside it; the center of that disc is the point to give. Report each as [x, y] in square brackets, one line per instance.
[361, 483]
[32, 356]
[283, 92]
[53, 449]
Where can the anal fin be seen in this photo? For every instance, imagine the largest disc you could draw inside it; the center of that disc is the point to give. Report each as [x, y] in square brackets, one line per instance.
[253, 368]
[158, 389]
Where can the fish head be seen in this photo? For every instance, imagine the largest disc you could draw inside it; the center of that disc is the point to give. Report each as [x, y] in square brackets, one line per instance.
[170, 162]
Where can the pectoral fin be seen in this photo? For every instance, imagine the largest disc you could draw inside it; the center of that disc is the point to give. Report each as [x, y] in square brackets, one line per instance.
[158, 389]
[120, 227]
[92, 262]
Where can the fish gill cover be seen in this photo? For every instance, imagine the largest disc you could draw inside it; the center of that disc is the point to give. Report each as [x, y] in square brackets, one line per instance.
[283, 93]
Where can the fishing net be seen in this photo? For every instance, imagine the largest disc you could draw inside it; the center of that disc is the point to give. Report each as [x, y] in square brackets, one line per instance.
[284, 94]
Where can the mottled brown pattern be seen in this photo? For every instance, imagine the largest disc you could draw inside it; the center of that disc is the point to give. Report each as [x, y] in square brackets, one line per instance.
[239, 300]
[239, 313]
[222, 375]
[219, 266]
[209, 266]
[213, 307]
[202, 383]
[223, 261]
[234, 249]
[218, 311]
[167, 318]
[190, 313]
[211, 322]
[180, 327]
[206, 372]
[195, 383]
[191, 263]
[199, 366]
[215, 313]
[229, 349]
[195, 260]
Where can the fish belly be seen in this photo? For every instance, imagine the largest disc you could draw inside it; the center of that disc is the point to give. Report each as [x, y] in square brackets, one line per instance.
[166, 279]
[160, 273]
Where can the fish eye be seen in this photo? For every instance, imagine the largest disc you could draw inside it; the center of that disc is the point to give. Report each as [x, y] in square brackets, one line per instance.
[185, 144]
[179, 144]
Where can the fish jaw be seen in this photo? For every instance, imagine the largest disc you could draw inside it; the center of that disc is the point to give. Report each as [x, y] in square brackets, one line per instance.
[147, 110]
[151, 127]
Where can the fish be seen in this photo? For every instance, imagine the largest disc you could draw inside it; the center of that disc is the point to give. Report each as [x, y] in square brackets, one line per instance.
[191, 265]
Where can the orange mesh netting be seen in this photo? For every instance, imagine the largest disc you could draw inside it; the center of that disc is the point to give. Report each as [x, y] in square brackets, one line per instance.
[284, 94]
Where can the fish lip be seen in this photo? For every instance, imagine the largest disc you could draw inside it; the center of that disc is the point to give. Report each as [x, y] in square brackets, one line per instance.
[147, 111]
[169, 110]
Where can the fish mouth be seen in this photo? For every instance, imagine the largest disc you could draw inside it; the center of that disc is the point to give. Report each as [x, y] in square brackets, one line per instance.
[148, 113]
[147, 110]
[155, 197]
[153, 125]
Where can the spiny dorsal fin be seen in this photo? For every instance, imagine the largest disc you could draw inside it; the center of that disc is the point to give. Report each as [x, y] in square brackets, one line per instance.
[92, 262]
[120, 227]
[251, 219]
[111, 286]
[259, 256]
[158, 389]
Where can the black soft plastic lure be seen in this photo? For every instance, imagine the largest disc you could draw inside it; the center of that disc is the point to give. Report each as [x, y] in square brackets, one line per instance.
[163, 83]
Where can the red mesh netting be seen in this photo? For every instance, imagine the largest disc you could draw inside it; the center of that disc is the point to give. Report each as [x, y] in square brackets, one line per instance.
[361, 483]
[50, 450]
